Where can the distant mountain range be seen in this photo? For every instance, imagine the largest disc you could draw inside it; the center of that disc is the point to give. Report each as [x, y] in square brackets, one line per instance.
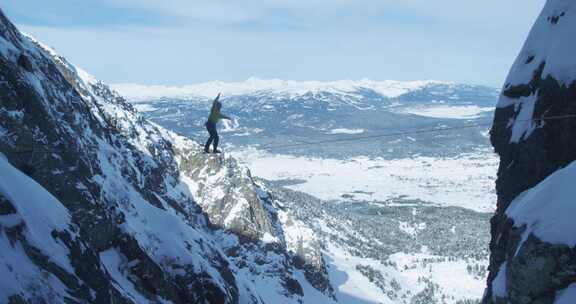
[269, 113]
[296, 89]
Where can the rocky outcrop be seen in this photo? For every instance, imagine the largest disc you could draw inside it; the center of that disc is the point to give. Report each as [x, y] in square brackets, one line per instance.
[228, 194]
[534, 134]
[233, 200]
[138, 222]
[298, 237]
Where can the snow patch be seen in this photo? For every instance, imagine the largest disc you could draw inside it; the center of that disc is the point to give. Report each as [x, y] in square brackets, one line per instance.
[410, 271]
[567, 295]
[115, 264]
[39, 209]
[547, 209]
[523, 125]
[451, 112]
[499, 283]
[346, 131]
[144, 107]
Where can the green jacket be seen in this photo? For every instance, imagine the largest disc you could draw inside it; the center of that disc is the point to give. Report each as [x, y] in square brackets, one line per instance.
[215, 114]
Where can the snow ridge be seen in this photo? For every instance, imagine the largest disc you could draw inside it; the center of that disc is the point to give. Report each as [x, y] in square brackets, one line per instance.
[254, 86]
[547, 52]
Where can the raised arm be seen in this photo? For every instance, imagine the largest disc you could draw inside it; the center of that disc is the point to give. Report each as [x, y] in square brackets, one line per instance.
[222, 116]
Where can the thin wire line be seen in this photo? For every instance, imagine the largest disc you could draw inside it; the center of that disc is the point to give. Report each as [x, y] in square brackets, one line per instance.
[422, 131]
[358, 138]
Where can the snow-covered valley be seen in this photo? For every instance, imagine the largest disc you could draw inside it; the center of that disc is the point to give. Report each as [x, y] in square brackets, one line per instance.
[465, 181]
[407, 252]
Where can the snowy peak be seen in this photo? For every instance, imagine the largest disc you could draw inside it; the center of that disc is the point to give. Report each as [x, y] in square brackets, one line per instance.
[546, 55]
[549, 47]
[285, 88]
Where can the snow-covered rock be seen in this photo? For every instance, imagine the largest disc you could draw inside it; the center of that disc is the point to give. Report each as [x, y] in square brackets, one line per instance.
[534, 134]
[36, 230]
[227, 193]
[98, 205]
[539, 263]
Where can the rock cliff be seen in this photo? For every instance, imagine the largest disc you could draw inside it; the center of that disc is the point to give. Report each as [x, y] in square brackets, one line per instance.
[533, 133]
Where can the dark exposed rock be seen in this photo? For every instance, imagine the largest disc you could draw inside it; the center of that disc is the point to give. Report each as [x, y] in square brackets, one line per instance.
[525, 164]
[5, 206]
[554, 19]
[25, 63]
[294, 287]
[536, 270]
[27, 169]
[16, 299]
[545, 268]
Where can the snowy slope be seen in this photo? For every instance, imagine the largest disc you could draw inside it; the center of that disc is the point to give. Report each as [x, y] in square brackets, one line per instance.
[123, 220]
[547, 208]
[28, 208]
[404, 253]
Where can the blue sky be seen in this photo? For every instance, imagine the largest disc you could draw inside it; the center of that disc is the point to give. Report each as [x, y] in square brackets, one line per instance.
[188, 41]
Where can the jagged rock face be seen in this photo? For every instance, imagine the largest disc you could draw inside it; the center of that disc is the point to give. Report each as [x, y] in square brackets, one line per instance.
[135, 217]
[232, 200]
[228, 195]
[541, 85]
[61, 131]
[298, 238]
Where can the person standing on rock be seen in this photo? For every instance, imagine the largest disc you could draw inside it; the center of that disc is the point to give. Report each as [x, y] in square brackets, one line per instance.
[213, 119]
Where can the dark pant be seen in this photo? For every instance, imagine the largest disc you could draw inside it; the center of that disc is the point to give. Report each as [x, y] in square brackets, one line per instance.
[211, 127]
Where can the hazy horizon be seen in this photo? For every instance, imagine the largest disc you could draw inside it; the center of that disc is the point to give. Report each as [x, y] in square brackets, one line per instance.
[303, 81]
